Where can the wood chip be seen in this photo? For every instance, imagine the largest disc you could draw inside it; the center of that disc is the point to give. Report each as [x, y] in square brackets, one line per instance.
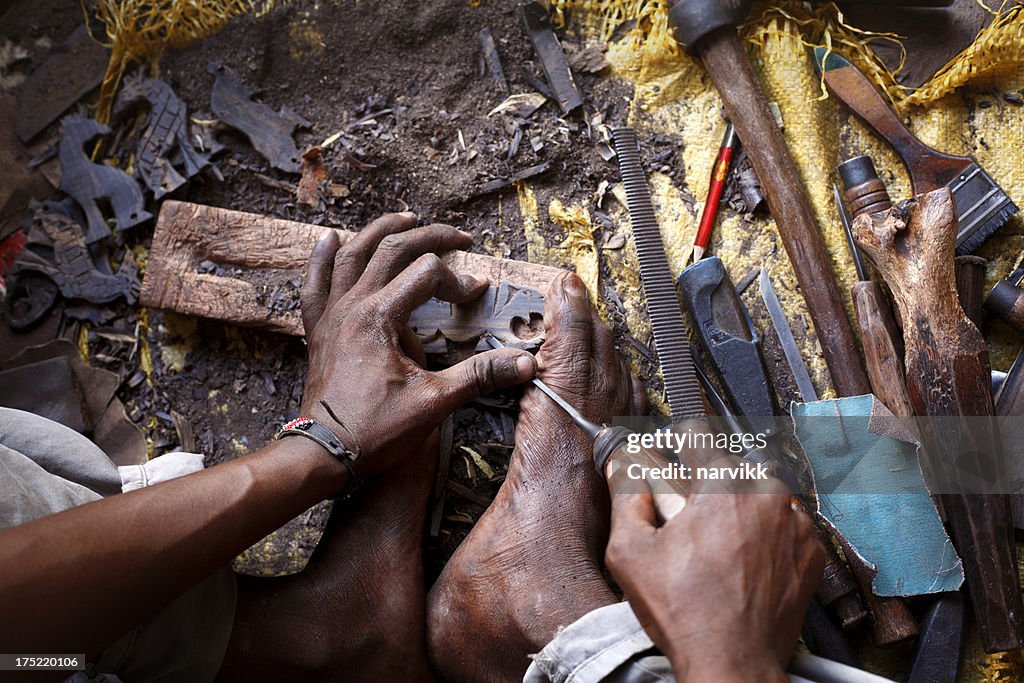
[521, 105]
[480, 463]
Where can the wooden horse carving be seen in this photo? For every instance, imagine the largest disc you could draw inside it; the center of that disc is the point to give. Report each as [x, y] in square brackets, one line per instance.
[90, 183]
[166, 133]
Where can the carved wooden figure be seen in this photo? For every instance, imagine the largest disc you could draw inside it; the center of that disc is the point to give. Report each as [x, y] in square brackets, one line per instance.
[165, 139]
[90, 183]
[245, 269]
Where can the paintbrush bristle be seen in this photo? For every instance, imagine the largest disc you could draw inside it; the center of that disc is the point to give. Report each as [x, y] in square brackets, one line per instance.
[989, 228]
[982, 207]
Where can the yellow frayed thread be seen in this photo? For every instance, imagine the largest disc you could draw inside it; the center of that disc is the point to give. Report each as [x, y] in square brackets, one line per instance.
[139, 31]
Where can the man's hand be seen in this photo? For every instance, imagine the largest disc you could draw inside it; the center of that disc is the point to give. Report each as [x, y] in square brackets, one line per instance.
[723, 586]
[365, 363]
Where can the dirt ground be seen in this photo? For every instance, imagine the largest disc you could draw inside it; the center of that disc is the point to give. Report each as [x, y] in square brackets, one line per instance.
[406, 85]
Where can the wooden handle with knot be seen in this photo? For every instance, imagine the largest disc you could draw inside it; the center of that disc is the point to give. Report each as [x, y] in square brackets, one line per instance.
[947, 367]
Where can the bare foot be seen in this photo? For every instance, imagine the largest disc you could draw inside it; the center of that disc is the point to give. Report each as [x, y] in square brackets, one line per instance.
[532, 562]
[356, 613]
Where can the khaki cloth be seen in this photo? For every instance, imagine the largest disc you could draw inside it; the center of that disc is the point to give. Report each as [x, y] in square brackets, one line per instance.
[46, 468]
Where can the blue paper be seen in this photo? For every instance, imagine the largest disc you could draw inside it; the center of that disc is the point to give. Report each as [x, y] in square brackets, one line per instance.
[871, 489]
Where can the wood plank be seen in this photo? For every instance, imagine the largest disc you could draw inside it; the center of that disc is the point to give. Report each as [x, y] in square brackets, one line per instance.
[255, 262]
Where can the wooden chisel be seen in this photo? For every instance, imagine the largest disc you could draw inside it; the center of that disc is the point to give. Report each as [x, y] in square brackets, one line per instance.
[883, 348]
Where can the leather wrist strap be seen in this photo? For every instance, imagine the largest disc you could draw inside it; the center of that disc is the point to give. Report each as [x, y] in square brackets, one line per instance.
[311, 429]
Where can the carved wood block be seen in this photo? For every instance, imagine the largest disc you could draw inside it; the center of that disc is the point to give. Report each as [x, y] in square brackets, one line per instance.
[246, 269]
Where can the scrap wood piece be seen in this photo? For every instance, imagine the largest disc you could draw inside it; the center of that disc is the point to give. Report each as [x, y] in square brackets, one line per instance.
[56, 248]
[504, 183]
[22, 182]
[90, 183]
[314, 173]
[257, 254]
[493, 59]
[75, 68]
[166, 133]
[269, 132]
[537, 20]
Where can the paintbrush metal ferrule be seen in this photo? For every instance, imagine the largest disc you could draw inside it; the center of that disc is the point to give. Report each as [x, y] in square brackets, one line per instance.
[982, 207]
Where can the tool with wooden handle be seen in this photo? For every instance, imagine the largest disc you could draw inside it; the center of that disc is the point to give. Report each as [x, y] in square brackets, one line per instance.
[970, 287]
[1009, 400]
[1006, 299]
[707, 28]
[883, 347]
[912, 247]
[727, 334]
[982, 207]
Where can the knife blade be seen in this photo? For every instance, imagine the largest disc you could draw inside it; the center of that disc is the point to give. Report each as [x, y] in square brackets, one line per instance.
[786, 340]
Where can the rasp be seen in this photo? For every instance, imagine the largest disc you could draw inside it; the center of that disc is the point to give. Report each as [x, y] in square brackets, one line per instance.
[782, 329]
[671, 336]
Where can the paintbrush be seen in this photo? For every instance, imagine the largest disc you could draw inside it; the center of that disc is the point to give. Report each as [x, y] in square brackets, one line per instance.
[982, 207]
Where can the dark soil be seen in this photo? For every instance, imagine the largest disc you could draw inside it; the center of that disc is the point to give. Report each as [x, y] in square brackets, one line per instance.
[406, 85]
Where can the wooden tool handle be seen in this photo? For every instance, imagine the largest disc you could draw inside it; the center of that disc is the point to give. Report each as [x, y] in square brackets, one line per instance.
[948, 375]
[883, 348]
[970, 286]
[729, 67]
[891, 620]
[929, 169]
[1006, 300]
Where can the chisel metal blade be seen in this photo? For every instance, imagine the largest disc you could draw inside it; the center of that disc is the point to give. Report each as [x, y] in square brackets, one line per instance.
[785, 333]
[591, 429]
[671, 336]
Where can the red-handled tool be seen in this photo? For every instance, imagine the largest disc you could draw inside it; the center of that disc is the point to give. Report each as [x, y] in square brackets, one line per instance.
[718, 178]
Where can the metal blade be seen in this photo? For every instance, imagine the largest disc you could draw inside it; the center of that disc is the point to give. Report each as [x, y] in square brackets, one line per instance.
[785, 333]
[591, 429]
[844, 217]
[671, 336]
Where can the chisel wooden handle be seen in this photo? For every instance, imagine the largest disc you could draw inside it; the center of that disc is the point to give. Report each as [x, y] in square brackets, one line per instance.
[707, 28]
[948, 375]
[1006, 300]
[883, 353]
[929, 169]
[970, 286]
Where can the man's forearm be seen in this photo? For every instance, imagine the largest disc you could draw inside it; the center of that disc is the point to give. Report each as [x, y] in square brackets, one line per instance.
[80, 579]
